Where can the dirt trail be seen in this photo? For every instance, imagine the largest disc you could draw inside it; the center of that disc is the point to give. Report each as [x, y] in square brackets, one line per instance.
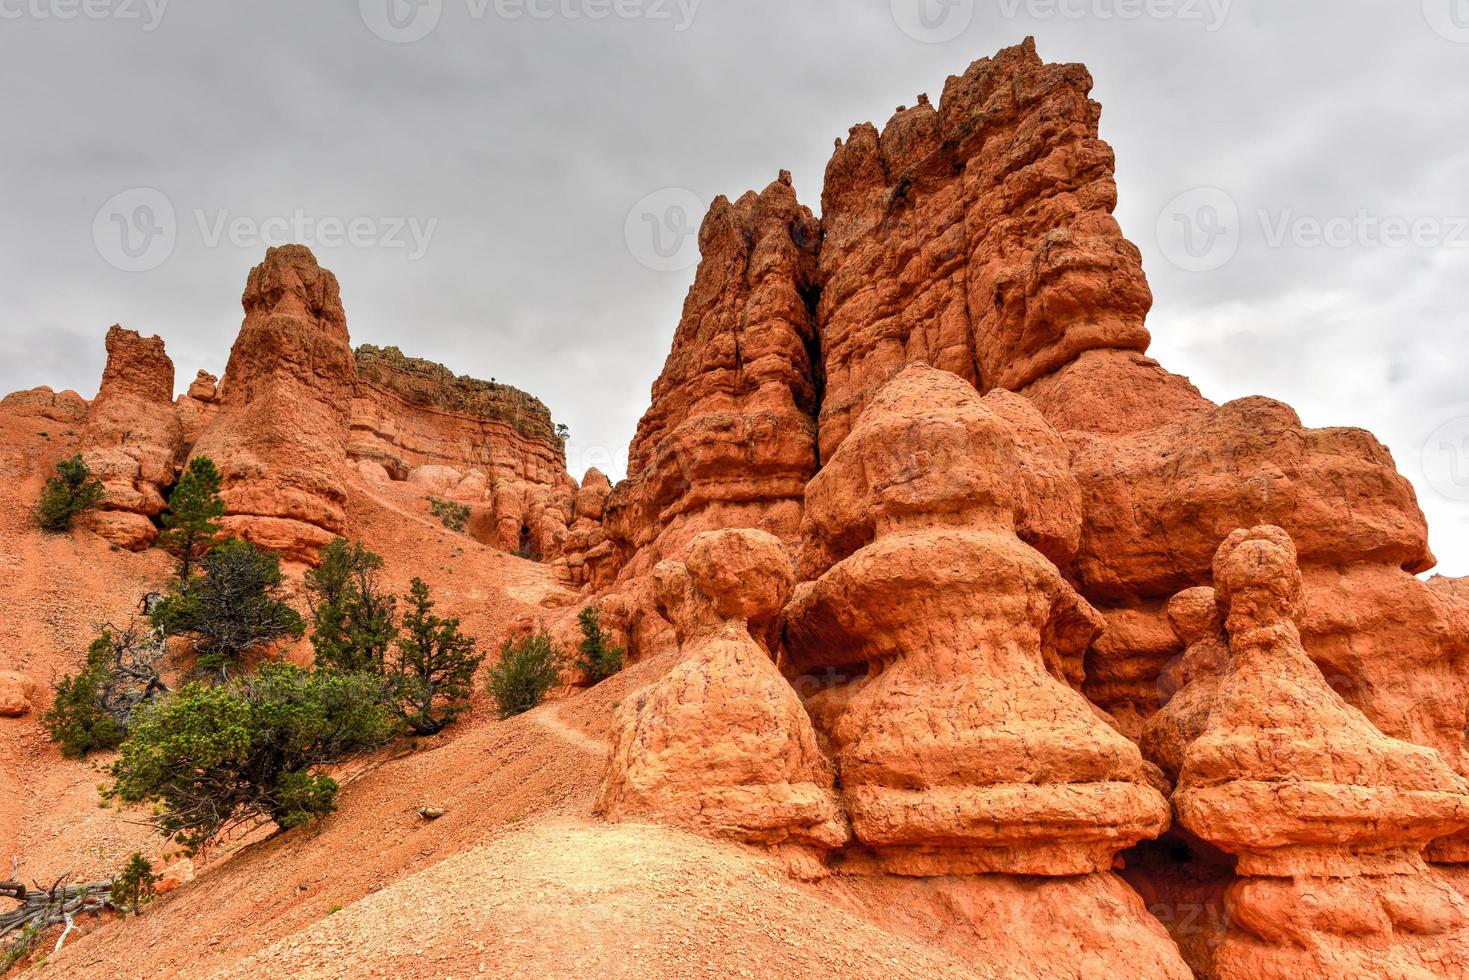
[552, 722]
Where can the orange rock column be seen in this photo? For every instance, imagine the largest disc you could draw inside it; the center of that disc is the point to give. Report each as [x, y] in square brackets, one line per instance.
[963, 752]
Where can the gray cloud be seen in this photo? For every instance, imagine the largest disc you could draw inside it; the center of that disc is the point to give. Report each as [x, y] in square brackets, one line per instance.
[528, 141]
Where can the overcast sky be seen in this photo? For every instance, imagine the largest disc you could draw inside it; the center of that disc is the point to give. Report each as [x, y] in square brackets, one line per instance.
[484, 176]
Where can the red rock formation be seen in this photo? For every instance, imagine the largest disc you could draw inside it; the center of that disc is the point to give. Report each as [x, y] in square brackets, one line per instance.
[132, 441]
[296, 409]
[280, 438]
[197, 408]
[1326, 815]
[721, 745]
[977, 237]
[1188, 686]
[476, 442]
[43, 403]
[590, 556]
[963, 753]
[729, 440]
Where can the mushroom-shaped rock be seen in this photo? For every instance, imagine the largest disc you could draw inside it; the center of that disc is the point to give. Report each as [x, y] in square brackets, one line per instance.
[1287, 775]
[1327, 816]
[721, 745]
[964, 752]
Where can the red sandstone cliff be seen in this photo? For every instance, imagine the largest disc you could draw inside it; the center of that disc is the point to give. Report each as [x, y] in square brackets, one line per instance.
[976, 237]
[296, 409]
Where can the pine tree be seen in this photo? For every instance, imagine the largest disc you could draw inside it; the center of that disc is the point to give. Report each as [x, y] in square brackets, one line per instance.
[190, 527]
[352, 618]
[212, 758]
[599, 659]
[433, 671]
[525, 673]
[237, 605]
[135, 887]
[67, 495]
[77, 719]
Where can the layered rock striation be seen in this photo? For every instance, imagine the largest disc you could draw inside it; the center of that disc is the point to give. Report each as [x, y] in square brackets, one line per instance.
[477, 442]
[132, 440]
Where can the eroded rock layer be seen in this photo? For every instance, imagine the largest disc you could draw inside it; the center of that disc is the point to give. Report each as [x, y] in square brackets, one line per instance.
[964, 750]
[976, 236]
[730, 439]
[280, 437]
[1327, 817]
[721, 745]
[462, 439]
[296, 411]
[132, 440]
[999, 596]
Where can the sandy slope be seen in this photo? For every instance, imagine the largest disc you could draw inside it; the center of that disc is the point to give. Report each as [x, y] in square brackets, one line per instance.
[517, 879]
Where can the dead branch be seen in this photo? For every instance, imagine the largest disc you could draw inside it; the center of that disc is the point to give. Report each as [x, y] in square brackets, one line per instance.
[41, 907]
[134, 679]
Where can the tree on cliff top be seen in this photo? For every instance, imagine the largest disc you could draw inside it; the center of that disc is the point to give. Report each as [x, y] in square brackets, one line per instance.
[194, 508]
[67, 495]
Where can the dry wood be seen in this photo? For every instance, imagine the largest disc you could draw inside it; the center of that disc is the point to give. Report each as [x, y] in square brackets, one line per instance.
[42, 907]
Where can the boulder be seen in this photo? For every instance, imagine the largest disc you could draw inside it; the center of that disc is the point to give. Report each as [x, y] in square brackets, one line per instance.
[16, 691]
